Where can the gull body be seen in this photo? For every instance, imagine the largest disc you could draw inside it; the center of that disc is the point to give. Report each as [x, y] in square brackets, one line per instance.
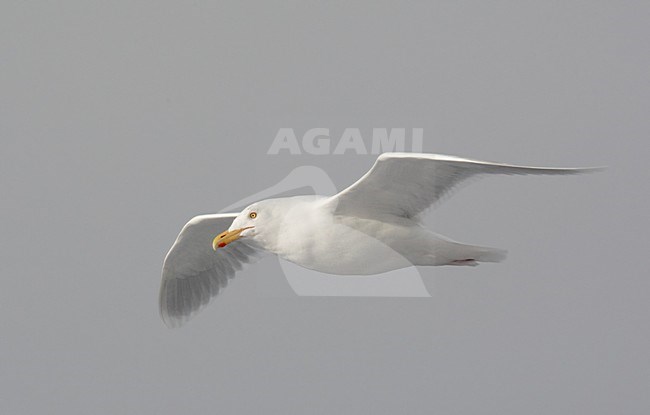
[306, 231]
[372, 227]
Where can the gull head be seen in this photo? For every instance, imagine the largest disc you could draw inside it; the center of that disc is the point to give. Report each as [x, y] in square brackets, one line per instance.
[253, 224]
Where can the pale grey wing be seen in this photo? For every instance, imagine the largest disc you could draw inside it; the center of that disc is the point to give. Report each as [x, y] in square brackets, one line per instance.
[193, 273]
[406, 184]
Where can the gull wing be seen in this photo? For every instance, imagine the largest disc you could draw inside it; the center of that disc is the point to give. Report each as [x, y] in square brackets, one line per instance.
[406, 184]
[193, 273]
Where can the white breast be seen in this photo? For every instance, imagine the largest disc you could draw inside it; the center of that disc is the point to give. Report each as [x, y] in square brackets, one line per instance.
[313, 238]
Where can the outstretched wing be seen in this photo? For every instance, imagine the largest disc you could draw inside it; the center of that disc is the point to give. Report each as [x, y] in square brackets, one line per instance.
[193, 273]
[405, 184]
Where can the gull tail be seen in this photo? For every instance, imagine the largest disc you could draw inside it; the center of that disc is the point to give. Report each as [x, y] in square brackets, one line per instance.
[443, 251]
[471, 255]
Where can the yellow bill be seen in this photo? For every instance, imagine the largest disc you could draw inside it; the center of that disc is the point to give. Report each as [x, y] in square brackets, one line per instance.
[226, 237]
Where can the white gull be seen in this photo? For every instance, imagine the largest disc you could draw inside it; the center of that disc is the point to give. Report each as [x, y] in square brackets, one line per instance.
[369, 228]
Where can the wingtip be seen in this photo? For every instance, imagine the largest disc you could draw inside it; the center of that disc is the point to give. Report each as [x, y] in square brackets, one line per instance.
[591, 169]
[171, 322]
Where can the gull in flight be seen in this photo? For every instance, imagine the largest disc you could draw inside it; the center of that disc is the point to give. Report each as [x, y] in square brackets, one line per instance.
[371, 227]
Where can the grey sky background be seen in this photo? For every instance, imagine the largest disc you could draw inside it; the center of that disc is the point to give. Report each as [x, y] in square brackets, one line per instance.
[119, 121]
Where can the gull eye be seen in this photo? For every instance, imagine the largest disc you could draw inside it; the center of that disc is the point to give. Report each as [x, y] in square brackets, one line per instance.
[252, 215]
